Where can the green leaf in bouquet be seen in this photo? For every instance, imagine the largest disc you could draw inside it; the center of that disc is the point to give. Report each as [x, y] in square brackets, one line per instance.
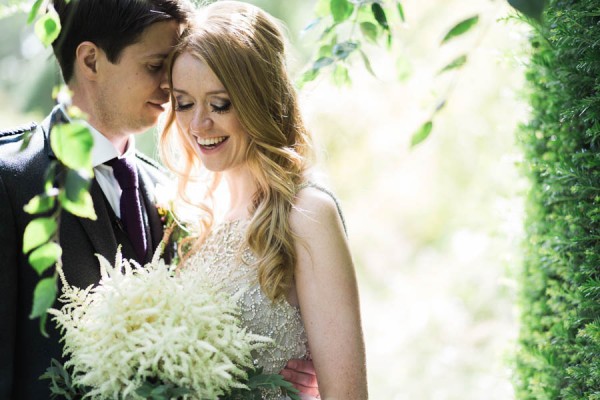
[75, 198]
[367, 63]
[341, 10]
[38, 232]
[40, 204]
[461, 28]
[47, 27]
[61, 384]
[44, 257]
[310, 26]
[72, 144]
[159, 391]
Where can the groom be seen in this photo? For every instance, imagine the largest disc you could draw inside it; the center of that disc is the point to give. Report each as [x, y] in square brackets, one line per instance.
[111, 53]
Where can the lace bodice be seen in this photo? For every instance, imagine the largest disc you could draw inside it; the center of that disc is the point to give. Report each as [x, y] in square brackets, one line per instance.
[228, 261]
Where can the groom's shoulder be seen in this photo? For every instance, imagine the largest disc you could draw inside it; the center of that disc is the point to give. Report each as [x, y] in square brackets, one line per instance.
[12, 134]
[150, 163]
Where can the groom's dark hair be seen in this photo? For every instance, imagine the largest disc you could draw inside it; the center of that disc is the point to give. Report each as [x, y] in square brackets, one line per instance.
[110, 24]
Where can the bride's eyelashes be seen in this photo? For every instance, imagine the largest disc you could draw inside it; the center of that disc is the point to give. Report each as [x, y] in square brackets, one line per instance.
[221, 108]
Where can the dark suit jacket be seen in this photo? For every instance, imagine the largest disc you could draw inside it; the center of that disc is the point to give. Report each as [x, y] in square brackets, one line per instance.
[24, 352]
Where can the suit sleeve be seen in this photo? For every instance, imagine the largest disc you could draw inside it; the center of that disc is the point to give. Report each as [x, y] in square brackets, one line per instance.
[8, 291]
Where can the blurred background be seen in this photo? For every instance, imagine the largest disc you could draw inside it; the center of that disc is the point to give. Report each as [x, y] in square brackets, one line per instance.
[435, 230]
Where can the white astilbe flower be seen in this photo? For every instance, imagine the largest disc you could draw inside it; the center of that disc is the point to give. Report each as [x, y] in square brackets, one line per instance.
[147, 322]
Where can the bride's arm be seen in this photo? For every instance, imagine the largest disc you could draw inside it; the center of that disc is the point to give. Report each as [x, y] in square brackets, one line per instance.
[328, 297]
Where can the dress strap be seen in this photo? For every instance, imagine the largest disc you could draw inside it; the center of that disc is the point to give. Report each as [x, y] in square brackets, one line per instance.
[327, 191]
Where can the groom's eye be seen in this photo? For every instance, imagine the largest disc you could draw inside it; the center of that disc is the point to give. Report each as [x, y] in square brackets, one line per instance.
[154, 67]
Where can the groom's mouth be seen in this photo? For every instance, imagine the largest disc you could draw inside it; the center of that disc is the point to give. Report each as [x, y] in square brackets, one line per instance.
[156, 106]
[212, 143]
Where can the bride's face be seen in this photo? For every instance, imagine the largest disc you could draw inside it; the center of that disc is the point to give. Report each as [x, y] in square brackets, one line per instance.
[203, 110]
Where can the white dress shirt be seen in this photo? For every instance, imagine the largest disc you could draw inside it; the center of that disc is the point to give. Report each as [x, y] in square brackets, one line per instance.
[102, 152]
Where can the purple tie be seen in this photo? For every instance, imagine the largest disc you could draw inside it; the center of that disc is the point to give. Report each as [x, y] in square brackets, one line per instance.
[131, 207]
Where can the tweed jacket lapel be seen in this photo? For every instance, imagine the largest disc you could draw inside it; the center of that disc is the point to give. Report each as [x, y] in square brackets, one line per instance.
[155, 227]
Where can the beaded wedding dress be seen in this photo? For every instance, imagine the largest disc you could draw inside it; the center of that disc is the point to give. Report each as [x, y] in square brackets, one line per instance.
[229, 263]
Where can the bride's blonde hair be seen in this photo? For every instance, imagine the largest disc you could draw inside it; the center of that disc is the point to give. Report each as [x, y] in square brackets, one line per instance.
[245, 49]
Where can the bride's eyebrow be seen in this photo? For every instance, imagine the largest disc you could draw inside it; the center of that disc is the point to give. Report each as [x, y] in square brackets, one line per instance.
[180, 91]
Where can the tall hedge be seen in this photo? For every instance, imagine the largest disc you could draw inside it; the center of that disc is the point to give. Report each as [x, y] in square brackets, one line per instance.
[559, 343]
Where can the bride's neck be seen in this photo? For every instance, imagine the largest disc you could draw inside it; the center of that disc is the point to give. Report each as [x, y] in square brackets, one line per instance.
[241, 191]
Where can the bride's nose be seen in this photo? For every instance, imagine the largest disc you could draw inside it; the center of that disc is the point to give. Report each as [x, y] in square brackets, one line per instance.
[201, 122]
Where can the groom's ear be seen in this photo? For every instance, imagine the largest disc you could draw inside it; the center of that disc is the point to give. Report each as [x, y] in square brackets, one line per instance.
[86, 59]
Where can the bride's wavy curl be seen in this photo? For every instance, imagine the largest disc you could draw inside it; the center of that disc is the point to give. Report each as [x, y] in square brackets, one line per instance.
[245, 48]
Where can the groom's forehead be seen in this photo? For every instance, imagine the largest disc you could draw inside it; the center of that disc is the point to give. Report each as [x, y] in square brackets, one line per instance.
[156, 41]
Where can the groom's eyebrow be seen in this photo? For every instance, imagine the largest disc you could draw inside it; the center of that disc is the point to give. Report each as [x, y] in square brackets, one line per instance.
[212, 92]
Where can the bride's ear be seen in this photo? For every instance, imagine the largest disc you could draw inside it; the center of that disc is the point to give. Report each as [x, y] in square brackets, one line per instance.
[86, 60]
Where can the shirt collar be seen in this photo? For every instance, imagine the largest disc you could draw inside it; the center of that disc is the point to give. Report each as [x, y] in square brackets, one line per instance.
[103, 150]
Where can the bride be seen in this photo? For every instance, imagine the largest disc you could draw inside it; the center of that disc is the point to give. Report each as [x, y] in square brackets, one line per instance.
[281, 242]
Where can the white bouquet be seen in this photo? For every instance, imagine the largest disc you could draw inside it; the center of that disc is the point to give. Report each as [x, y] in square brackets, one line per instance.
[148, 332]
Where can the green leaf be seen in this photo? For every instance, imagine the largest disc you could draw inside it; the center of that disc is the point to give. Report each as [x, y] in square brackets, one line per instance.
[34, 11]
[379, 15]
[461, 28]
[343, 50]
[370, 31]
[341, 10]
[72, 144]
[44, 296]
[325, 51]
[82, 206]
[531, 8]
[44, 257]
[322, 62]
[40, 204]
[310, 26]
[401, 11]
[322, 8]
[26, 139]
[421, 134]
[38, 232]
[454, 64]
[47, 27]
[307, 76]
[367, 63]
[341, 76]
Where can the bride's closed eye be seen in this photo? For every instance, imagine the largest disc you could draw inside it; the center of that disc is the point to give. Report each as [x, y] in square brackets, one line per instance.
[221, 108]
[181, 106]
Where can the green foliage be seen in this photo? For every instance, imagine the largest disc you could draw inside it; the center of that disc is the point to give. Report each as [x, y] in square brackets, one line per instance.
[559, 343]
[461, 28]
[345, 27]
[44, 295]
[72, 144]
[47, 27]
[456, 63]
[45, 256]
[530, 8]
[38, 232]
[62, 386]
[421, 134]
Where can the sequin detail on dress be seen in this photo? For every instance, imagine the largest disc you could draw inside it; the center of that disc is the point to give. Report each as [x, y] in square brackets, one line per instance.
[229, 262]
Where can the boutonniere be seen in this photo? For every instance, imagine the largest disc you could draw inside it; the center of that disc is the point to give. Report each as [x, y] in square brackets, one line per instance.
[177, 224]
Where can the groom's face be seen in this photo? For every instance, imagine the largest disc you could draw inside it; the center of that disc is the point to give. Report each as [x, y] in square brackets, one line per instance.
[129, 96]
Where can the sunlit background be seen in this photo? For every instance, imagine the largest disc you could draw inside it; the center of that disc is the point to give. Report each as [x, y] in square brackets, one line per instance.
[435, 230]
